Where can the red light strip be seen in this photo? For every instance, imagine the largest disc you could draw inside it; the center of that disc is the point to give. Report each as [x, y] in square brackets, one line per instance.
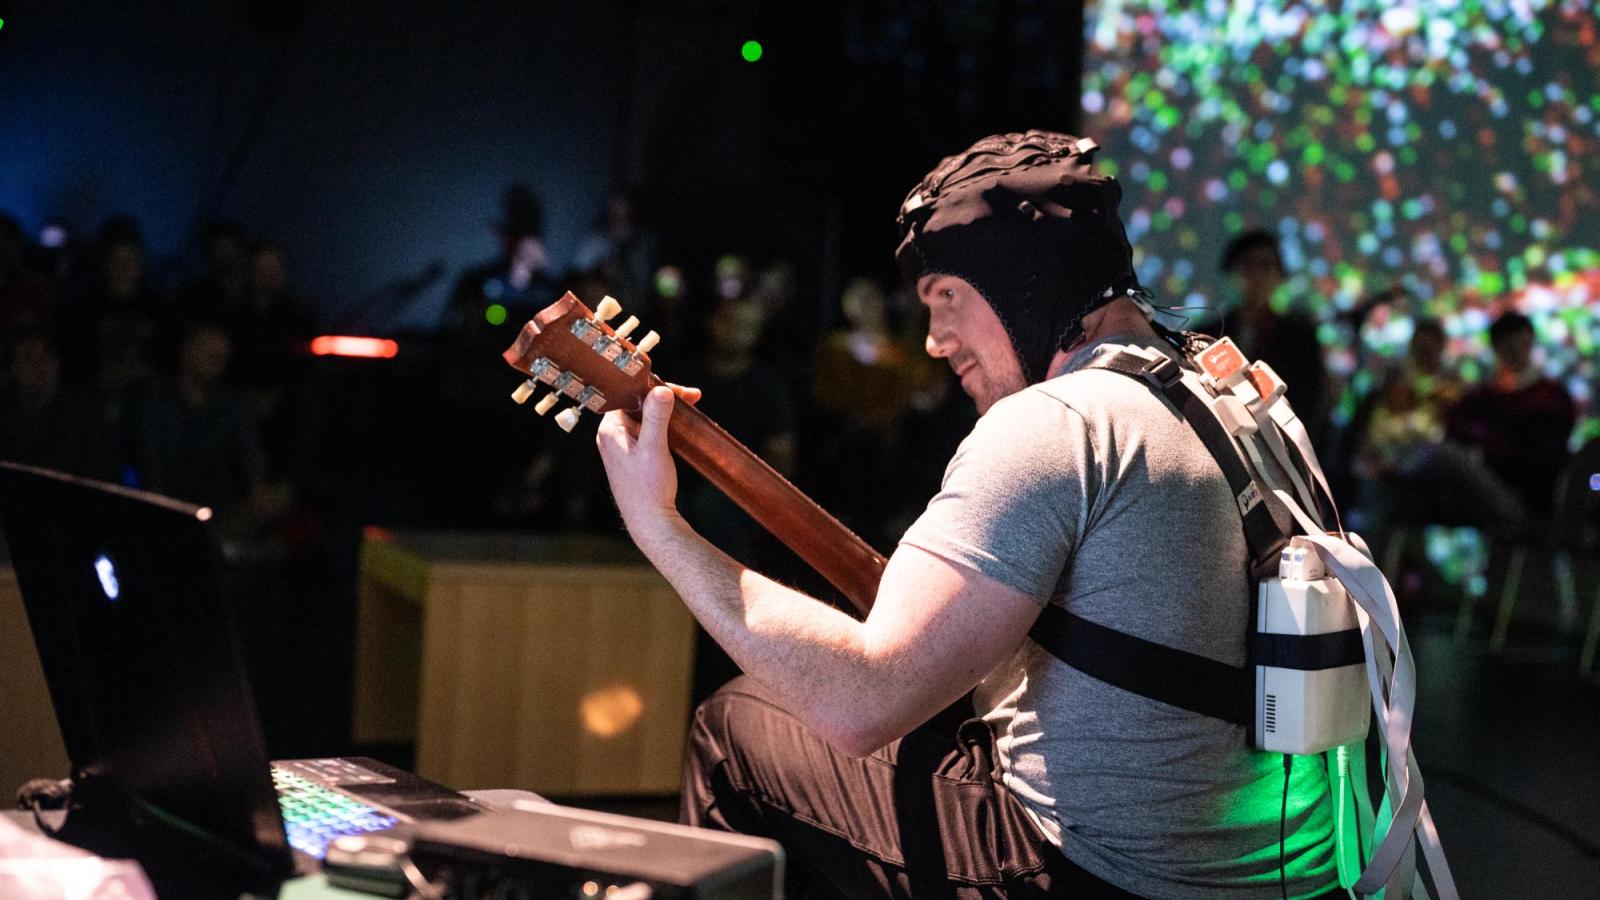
[361, 347]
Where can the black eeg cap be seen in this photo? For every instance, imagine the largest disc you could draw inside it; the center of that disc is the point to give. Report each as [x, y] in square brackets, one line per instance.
[1025, 220]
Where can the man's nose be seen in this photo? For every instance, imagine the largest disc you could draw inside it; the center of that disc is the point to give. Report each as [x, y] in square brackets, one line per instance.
[938, 345]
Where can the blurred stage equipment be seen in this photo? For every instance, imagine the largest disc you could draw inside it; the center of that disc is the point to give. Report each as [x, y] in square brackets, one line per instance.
[548, 851]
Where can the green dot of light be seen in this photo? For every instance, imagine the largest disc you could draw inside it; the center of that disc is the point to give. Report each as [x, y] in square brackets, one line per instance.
[1313, 154]
[1158, 181]
[751, 51]
[1365, 143]
[495, 314]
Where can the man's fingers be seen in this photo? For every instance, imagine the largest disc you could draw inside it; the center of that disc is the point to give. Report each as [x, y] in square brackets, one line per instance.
[689, 395]
[615, 429]
[656, 414]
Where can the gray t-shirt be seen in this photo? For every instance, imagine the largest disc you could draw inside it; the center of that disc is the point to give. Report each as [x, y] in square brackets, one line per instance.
[1089, 491]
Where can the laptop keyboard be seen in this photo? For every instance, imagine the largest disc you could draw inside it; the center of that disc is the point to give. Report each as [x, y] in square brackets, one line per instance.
[313, 814]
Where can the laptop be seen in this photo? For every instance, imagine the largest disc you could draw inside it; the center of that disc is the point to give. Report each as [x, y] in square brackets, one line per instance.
[123, 591]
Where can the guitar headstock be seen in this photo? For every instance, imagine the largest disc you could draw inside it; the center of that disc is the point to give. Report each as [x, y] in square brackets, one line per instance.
[571, 350]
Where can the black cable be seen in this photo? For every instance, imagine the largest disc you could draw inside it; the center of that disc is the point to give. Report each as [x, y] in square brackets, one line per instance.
[1355, 814]
[1283, 821]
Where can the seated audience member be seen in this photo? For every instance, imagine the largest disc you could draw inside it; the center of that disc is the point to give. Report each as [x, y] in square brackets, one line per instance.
[24, 296]
[1285, 341]
[1409, 470]
[119, 350]
[269, 326]
[42, 422]
[518, 279]
[624, 250]
[732, 279]
[194, 438]
[749, 397]
[1518, 419]
[221, 289]
[672, 318]
[472, 445]
[269, 329]
[789, 329]
[1413, 400]
[864, 382]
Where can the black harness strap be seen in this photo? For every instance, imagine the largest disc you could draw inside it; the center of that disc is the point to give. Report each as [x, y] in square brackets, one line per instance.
[1309, 652]
[1263, 534]
[1166, 674]
[1174, 677]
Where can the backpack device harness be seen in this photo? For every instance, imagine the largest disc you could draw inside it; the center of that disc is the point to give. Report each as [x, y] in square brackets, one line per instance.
[1324, 639]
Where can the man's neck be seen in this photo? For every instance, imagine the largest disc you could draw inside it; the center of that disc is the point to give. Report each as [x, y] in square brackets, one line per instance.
[1122, 319]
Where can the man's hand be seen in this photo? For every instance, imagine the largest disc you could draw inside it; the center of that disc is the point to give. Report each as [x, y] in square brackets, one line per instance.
[644, 479]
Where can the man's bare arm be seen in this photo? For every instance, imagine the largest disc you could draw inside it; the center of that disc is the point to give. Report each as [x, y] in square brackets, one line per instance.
[934, 631]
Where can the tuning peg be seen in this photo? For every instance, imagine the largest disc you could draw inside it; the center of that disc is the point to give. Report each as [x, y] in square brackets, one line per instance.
[543, 406]
[649, 342]
[626, 328]
[607, 309]
[568, 418]
[524, 391]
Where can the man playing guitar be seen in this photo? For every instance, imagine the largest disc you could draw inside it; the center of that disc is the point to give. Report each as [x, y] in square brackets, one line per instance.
[1078, 487]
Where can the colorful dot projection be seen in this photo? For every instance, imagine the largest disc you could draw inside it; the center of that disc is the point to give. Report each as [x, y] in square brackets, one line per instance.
[1447, 147]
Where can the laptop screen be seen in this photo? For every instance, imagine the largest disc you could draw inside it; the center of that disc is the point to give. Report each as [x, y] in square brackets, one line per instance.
[123, 591]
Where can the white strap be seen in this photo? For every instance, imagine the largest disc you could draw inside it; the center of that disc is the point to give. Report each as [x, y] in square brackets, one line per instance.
[1265, 474]
[1274, 441]
[1393, 861]
[1391, 677]
[1284, 415]
[1391, 671]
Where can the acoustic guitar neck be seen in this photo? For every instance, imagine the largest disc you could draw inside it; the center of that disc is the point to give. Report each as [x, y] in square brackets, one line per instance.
[580, 359]
[837, 553]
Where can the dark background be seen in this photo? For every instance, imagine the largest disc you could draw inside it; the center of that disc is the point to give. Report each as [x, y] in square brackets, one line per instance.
[373, 139]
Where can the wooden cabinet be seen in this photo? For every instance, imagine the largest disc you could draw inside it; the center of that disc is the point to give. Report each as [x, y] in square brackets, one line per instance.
[557, 665]
[30, 746]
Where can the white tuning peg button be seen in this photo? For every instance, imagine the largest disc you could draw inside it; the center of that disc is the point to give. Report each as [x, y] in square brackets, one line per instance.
[524, 391]
[627, 327]
[543, 406]
[649, 342]
[568, 418]
[607, 309]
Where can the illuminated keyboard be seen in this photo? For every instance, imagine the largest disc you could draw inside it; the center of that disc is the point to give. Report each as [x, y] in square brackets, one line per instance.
[313, 814]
